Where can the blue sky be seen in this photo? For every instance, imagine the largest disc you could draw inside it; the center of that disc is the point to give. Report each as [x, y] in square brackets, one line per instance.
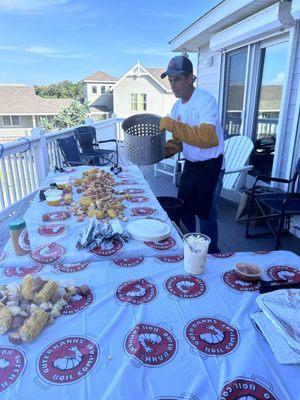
[45, 41]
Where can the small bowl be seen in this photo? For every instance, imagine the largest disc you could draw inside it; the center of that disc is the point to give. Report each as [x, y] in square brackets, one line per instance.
[53, 200]
[53, 193]
[248, 272]
[62, 182]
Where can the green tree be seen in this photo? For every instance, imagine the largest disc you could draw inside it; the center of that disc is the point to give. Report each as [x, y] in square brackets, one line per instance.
[68, 117]
[61, 90]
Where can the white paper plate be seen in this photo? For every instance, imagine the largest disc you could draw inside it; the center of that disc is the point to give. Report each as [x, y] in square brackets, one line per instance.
[148, 230]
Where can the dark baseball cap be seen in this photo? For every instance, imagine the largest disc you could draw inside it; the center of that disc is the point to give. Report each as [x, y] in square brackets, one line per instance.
[178, 65]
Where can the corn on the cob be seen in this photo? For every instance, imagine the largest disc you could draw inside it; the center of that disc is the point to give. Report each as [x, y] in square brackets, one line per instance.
[5, 319]
[33, 325]
[27, 287]
[46, 292]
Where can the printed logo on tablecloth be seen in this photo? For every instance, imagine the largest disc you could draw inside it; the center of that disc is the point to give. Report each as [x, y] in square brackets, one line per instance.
[52, 230]
[68, 360]
[142, 211]
[49, 253]
[125, 176]
[24, 241]
[263, 252]
[128, 262]
[70, 268]
[284, 272]
[162, 245]
[134, 191]
[12, 365]
[20, 272]
[242, 388]
[223, 255]
[3, 255]
[185, 286]
[150, 344]
[138, 199]
[136, 292]
[235, 282]
[78, 302]
[126, 182]
[212, 336]
[56, 216]
[109, 250]
[170, 259]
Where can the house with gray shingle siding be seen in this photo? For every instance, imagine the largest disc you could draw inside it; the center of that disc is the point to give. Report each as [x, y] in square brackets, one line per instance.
[21, 110]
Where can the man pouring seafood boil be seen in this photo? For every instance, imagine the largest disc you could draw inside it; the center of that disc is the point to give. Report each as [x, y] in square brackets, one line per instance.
[197, 132]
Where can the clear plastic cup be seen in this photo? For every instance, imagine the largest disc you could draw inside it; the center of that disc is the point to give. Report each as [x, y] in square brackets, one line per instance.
[195, 252]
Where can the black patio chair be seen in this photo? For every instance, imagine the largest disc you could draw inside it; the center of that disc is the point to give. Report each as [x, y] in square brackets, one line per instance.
[70, 151]
[91, 149]
[275, 207]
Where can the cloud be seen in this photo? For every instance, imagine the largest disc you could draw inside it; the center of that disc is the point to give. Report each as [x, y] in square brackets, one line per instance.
[40, 50]
[8, 48]
[29, 5]
[279, 79]
[150, 51]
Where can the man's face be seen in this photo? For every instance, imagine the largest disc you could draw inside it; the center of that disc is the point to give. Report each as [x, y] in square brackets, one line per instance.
[181, 85]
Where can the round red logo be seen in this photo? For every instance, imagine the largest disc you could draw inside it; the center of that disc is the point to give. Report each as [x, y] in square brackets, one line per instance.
[138, 199]
[284, 272]
[170, 259]
[68, 360]
[232, 280]
[49, 253]
[110, 250]
[136, 292]
[223, 255]
[3, 255]
[134, 191]
[126, 182]
[20, 272]
[70, 268]
[128, 262]
[52, 230]
[142, 211]
[12, 365]
[152, 345]
[24, 241]
[56, 216]
[211, 336]
[185, 286]
[125, 176]
[162, 245]
[242, 388]
[78, 302]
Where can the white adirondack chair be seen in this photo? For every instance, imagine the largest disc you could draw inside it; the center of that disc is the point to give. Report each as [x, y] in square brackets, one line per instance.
[170, 166]
[237, 150]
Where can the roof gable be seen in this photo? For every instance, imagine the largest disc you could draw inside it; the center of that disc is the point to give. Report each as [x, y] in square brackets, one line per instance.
[99, 76]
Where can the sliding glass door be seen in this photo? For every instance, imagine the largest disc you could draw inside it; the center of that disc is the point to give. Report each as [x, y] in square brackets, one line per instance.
[234, 92]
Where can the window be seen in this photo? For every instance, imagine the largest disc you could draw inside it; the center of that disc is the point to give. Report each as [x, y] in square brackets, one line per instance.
[138, 102]
[103, 89]
[94, 89]
[11, 120]
[234, 91]
[134, 102]
[143, 102]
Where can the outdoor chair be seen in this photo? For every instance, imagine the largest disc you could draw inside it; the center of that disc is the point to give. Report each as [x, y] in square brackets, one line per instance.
[237, 150]
[90, 147]
[70, 151]
[275, 207]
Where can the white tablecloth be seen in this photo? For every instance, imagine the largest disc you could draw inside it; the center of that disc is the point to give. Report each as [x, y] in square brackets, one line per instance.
[150, 331]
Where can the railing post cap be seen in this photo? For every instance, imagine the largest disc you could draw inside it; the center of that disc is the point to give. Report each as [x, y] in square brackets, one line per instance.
[37, 132]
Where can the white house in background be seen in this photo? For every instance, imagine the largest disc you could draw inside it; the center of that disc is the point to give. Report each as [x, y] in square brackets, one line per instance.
[249, 59]
[97, 90]
[141, 90]
[21, 110]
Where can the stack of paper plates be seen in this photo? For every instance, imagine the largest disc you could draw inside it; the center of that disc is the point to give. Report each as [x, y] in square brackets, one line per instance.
[148, 230]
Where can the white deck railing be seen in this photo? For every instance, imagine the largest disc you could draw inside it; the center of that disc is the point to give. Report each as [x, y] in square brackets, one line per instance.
[25, 163]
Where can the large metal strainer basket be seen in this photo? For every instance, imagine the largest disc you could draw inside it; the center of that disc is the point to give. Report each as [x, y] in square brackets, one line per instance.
[143, 141]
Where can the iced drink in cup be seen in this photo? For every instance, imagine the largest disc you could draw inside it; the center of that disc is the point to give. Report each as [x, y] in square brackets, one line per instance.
[195, 252]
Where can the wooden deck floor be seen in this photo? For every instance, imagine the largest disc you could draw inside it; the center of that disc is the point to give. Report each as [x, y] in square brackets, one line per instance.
[231, 233]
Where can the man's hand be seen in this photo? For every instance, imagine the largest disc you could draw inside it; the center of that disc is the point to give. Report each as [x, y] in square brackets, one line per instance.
[166, 123]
